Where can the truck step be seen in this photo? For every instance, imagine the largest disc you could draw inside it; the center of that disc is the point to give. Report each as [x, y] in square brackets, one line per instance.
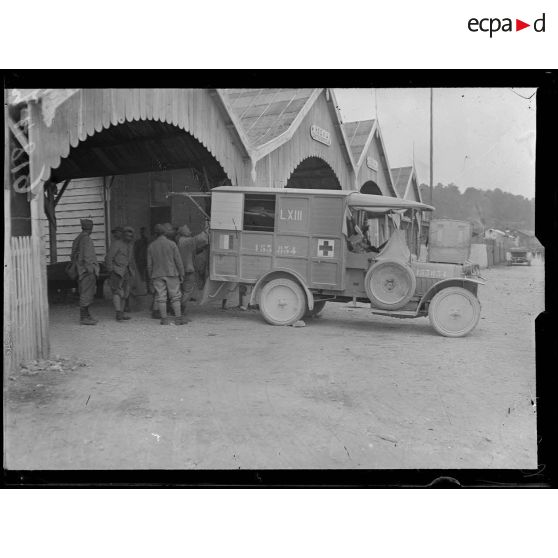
[395, 313]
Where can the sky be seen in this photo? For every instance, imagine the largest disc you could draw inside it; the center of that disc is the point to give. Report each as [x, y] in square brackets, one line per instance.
[483, 137]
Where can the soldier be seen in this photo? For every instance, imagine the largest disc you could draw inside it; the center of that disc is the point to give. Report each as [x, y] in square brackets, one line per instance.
[117, 233]
[188, 245]
[120, 265]
[83, 253]
[170, 233]
[140, 254]
[166, 272]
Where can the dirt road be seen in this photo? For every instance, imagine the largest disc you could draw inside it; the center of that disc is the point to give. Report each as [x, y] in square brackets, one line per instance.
[349, 390]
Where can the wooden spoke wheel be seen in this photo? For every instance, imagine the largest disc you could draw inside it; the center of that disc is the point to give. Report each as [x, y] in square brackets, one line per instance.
[454, 312]
[390, 284]
[282, 302]
[317, 310]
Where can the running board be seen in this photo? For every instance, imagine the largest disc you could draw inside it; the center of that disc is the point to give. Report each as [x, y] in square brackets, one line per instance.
[395, 313]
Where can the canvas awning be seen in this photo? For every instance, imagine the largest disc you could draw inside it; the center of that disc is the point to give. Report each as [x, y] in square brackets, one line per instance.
[381, 204]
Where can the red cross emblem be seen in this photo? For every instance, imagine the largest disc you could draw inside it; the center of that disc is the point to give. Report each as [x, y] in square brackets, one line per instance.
[326, 248]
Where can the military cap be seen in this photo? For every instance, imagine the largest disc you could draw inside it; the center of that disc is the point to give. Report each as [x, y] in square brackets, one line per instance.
[129, 229]
[184, 230]
[86, 224]
[117, 229]
[169, 229]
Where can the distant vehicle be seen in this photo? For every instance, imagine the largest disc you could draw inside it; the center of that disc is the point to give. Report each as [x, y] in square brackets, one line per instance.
[294, 250]
[519, 256]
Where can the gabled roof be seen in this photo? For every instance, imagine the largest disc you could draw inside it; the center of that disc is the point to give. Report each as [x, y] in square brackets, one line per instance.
[265, 117]
[402, 177]
[405, 178]
[358, 144]
[378, 130]
[358, 135]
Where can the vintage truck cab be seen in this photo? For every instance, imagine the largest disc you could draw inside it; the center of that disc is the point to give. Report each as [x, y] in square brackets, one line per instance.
[293, 250]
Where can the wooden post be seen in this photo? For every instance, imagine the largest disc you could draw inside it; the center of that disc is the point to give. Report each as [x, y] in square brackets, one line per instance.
[52, 224]
[106, 207]
[431, 147]
[8, 308]
[37, 213]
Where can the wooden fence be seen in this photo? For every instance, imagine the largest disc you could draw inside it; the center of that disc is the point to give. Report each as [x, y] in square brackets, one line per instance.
[26, 317]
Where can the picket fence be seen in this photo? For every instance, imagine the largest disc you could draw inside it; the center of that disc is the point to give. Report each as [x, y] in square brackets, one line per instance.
[26, 318]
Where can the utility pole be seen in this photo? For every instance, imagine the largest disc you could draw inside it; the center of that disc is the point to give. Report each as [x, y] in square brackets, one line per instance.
[431, 149]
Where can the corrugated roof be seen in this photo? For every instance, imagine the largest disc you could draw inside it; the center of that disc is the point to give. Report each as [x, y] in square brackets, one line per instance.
[265, 114]
[357, 134]
[401, 177]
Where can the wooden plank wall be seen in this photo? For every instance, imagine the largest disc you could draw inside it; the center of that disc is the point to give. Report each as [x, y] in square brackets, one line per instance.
[26, 321]
[83, 199]
[90, 110]
[275, 169]
[130, 200]
[381, 178]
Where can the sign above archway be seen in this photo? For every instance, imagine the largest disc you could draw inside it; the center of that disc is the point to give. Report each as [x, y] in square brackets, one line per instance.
[320, 135]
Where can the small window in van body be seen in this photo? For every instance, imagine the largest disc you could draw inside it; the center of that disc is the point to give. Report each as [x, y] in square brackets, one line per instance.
[259, 212]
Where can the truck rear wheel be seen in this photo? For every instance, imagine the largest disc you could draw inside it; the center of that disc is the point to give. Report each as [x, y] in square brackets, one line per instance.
[454, 312]
[282, 301]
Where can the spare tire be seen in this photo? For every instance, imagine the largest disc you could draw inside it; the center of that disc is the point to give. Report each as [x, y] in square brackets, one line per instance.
[390, 284]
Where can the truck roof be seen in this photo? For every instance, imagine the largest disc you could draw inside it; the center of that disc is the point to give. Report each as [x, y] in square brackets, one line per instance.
[355, 199]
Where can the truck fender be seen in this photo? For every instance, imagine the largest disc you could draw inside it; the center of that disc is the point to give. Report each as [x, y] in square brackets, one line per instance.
[465, 282]
[281, 272]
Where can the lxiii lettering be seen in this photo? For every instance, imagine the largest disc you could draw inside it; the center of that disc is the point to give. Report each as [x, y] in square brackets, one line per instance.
[290, 214]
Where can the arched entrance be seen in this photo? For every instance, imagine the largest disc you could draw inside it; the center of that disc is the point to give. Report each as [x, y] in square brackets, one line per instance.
[128, 174]
[146, 161]
[314, 173]
[370, 187]
[139, 146]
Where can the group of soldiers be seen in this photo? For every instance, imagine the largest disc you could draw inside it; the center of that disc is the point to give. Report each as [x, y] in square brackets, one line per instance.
[166, 265]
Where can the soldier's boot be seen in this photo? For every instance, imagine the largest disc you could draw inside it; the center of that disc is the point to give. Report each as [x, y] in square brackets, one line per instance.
[179, 319]
[90, 316]
[125, 308]
[84, 319]
[116, 303]
[183, 308]
[163, 313]
[155, 314]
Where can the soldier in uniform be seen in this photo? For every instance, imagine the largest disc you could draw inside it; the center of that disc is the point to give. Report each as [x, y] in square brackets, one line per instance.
[83, 253]
[117, 233]
[166, 272]
[188, 245]
[140, 254]
[120, 265]
[170, 233]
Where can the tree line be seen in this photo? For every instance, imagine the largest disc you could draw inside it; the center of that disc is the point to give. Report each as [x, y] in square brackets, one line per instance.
[484, 208]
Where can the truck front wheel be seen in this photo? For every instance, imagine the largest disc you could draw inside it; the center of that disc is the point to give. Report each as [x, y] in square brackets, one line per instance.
[454, 312]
